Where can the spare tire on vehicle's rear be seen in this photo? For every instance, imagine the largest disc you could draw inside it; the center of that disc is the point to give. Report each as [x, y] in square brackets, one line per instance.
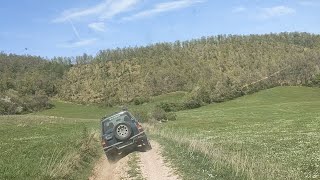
[122, 131]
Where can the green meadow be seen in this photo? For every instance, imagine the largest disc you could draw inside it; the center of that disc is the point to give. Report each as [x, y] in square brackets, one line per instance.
[272, 134]
[59, 143]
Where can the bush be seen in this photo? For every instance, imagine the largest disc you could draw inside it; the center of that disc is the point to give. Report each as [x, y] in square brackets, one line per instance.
[14, 103]
[2, 109]
[202, 94]
[170, 107]
[159, 114]
[140, 100]
[141, 115]
[192, 104]
[35, 103]
[7, 107]
[171, 116]
[173, 107]
[315, 81]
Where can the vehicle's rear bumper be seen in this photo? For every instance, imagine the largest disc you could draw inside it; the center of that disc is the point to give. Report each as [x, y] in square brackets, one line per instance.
[133, 141]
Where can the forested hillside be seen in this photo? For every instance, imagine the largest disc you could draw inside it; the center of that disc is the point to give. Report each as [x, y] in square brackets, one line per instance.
[26, 82]
[212, 69]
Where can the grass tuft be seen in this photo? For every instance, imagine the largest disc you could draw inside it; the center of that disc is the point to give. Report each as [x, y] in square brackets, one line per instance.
[134, 171]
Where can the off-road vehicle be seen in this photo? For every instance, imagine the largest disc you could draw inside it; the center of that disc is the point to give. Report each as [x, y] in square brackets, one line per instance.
[121, 132]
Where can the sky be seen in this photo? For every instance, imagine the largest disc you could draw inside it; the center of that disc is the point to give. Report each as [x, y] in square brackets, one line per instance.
[73, 27]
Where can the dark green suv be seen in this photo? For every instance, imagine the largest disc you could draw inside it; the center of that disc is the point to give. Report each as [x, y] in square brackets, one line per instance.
[121, 132]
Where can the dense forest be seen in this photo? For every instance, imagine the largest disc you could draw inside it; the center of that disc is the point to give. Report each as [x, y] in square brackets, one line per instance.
[211, 69]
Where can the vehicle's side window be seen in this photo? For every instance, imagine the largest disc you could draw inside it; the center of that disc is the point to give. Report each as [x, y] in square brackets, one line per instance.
[126, 118]
[107, 125]
[111, 125]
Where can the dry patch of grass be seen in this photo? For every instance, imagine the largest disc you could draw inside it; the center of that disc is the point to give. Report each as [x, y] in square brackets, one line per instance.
[71, 162]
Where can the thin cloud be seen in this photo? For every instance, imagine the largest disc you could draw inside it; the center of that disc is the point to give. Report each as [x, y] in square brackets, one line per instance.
[97, 26]
[80, 43]
[239, 9]
[117, 7]
[106, 9]
[164, 7]
[309, 3]
[276, 12]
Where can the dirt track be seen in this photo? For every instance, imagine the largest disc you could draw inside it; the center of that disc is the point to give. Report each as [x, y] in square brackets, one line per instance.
[151, 163]
[106, 171]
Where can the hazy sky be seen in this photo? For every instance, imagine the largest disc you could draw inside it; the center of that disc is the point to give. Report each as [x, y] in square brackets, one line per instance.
[73, 27]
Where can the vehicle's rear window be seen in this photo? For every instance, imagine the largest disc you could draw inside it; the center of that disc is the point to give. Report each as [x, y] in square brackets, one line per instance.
[112, 121]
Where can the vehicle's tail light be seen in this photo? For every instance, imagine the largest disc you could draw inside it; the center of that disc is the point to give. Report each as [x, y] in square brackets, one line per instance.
[103, 142]
[139, 127]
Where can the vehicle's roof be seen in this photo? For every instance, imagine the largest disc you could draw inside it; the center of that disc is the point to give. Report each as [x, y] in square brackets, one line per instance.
[107, 118]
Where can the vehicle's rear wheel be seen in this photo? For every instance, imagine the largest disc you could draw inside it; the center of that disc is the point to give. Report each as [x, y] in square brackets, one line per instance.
[147, 146]
[112, 156]
[122, 131]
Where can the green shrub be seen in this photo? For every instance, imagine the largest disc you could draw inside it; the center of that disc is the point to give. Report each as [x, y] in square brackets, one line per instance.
[202, 94]
[192, 104]
[2, 109]
[35, 103]
[11, 102]
[315, 81]
[140, 100]
[173, 107]
[170, 107]
[171, 116]
[159, 114]
[141, 115]
[7, 107]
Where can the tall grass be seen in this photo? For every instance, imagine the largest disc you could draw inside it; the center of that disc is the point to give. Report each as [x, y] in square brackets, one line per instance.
[67, 166]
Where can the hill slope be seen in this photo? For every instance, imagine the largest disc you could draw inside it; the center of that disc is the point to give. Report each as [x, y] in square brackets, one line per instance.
[273, 134]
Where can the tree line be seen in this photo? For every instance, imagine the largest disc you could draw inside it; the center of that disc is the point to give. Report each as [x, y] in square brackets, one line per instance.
[211, 69]
[26, 82]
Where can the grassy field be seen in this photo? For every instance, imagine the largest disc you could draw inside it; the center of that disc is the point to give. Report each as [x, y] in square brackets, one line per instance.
[273, 134]
[59, 143]
[39, 147]
[70, 110]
